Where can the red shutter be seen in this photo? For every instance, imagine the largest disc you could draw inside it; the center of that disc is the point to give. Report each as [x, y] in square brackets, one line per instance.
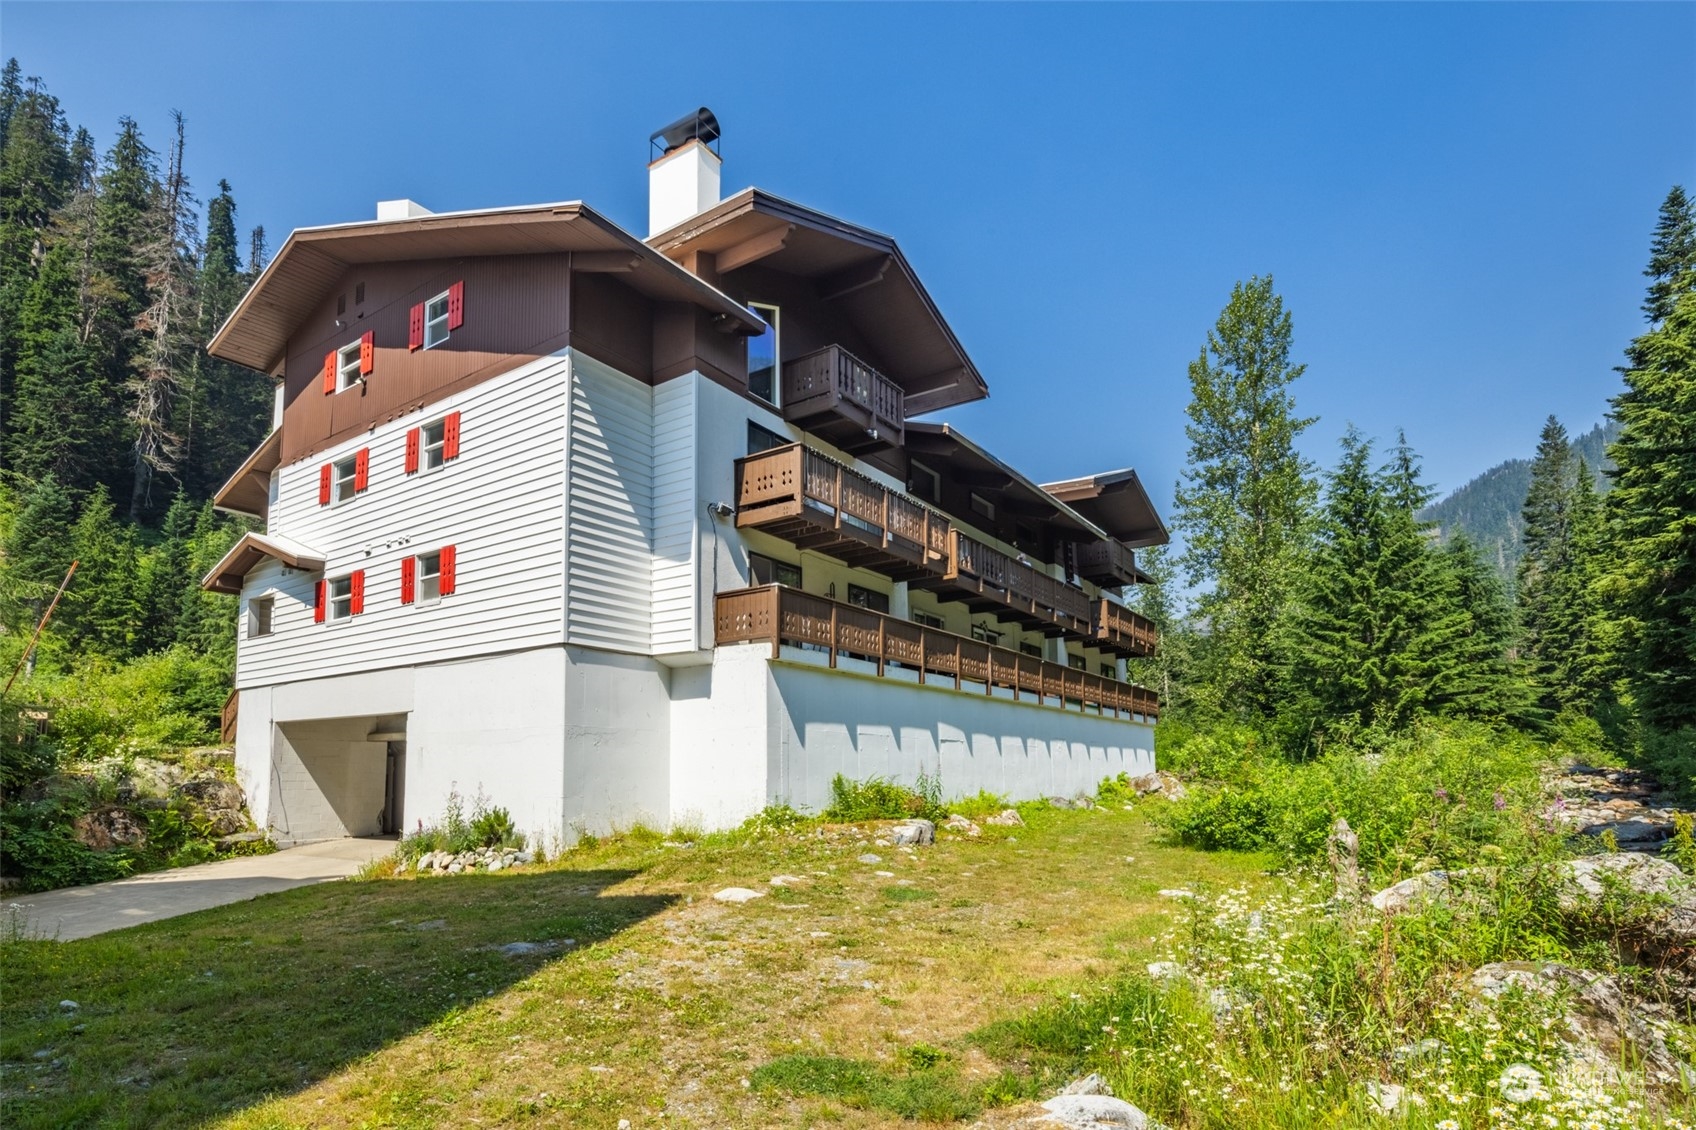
[356, 592]
[456, 305]
[415, 328]
[367, 352]
[408, 578]
[329, 372]
[412, 442]
[447, 576]
[325, 474]
[322, 598]
[450, 436]
[361, 469]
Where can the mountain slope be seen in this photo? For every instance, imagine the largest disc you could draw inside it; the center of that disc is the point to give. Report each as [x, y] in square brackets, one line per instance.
[1487, 508]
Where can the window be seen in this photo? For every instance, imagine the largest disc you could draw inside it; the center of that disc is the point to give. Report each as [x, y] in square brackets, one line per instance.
[763, 355]
[429, 578]
[763, 439]
[433, 442]
[341, 597]
[926, 483]
[1031, 649]
[770, 571]
[927, 619]
[347, 367]
[346, 483]
[1077, 663]
[359, 294]
[982, 506]
[868, 598]
[1108, 671]
[983, 633]
[436, 320]
[259, 616]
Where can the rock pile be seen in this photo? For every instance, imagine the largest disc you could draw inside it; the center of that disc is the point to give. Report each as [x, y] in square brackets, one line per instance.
[477, 859]
[1625, 802]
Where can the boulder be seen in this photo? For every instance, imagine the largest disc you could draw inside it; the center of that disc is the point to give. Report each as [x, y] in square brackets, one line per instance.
[61, 785]
[1091, 1084]
[1087, 1112]
[1587, 879]
[239, 838]
[226, 821]
[1412, 893]
[916, 832]
[107, 828]
[1007, 818]
[213, 792]
[737, 895]
[1159, 782]
[958, 823]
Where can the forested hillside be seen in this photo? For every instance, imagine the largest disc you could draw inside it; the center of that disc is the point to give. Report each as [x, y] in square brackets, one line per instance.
[1486, 509]
[115, 430]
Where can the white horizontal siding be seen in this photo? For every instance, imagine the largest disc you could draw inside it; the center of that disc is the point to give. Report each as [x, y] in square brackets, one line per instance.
[676, 513]
[609, 510]
[498, 504]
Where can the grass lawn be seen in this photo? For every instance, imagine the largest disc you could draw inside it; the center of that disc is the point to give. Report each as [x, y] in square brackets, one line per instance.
[388, 1003]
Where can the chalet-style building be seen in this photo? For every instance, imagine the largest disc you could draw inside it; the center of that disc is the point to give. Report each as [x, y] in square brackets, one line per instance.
[610, 530]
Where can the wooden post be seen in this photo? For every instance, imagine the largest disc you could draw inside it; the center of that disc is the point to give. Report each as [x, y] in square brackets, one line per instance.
[833, 634]
[882, 641]
[957, 642]
[774, 602]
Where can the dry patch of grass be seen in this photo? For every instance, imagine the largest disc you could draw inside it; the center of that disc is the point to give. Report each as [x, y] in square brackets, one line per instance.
[389, 1003]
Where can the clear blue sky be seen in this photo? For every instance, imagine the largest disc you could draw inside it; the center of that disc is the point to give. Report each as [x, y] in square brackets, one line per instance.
[1455, 200]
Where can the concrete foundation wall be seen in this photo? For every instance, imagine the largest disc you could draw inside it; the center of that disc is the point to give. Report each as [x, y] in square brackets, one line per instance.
[617, 741]
[329, 780]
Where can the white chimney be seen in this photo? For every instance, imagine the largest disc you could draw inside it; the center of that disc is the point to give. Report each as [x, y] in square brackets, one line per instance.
[684, 180]
[401, 210]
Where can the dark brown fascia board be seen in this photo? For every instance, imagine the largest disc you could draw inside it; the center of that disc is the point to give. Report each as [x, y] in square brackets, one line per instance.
[262, 461]
[315, 246]
[232, 569]
[1125, 481]
[758, 200]
[944, 435]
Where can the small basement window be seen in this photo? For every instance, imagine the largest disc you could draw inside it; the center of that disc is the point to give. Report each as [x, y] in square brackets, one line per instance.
[429, 578]
[433, 442]
[341, 598]
[347, 367]
[868, 598]
[436, 320]
[770, 571]
[346, 479]
[259, 611]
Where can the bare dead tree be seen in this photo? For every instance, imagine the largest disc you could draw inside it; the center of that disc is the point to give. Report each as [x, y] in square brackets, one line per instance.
[166, 326]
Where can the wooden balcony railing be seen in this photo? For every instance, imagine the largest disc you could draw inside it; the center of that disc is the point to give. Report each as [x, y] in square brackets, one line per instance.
[808, 498]
[778, 615]
[844, 399]
[1028, 593]
[1124, 631]
[1110, 563]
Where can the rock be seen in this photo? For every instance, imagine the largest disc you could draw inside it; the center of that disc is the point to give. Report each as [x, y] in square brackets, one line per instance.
[1161, 782]
[958, 823]
[1007, 818]
[107, 828]
[144, 776]
[1342, 846]
[1632, 831]
[239, 838]
[917, 832]
[1602, 1025]
[524, 857]
[737, 895]
[1165, 972]
[1588, 878]
[786, 880]
[519, 949]
[1386, 1098]
[871, 857]
[1175, 893]
[432, 924]
[1085, 1112]
[884, 874]
[1091, 1084]
[68, 1006]
[1412, 893]
[456, 868]
[61, 785]
[213, 792]
[226, 821]
[1061, 802]
[496, 865]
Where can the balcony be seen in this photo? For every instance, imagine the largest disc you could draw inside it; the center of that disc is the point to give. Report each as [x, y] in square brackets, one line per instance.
[1121, 630]
[1012, 589]
[813, 501]
[870, 641]
[840, 398]
[1110, 564]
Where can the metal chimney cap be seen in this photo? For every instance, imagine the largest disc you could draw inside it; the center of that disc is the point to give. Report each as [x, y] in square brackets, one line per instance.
[699, 126]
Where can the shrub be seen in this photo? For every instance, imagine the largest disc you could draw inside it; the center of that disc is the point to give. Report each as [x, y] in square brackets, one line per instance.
[976, 807]
[878, 798]
[494, 828]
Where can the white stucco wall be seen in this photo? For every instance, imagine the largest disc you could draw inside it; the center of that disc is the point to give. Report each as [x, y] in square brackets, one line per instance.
[616, 740]
[722, 732]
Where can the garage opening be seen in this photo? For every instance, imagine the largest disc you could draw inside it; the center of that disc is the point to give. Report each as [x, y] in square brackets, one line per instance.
[338, 777]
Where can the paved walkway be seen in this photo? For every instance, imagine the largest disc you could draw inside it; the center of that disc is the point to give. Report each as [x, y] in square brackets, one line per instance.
[82, 912]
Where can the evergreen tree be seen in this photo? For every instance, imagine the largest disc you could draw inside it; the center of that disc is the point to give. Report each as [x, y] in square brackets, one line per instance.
[1572, 634]
[1546, 541]
[1247, 498]
[1652, 513]
[104, 613]
[206, 623]
[38, 551]
[1167, 671]
[1672, 253]
[1485, 681]
[168, 574]
[11, 93]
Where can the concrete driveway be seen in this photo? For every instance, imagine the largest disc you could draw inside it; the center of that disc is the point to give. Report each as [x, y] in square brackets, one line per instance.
[82, 912]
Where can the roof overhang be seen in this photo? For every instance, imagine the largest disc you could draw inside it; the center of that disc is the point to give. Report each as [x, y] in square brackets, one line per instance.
[313, 261]
[227, 576]
[945, 450]
[860, 271]
[248, 491]
[1117, 502]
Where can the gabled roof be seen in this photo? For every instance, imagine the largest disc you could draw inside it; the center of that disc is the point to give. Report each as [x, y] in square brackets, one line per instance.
[1116, 501]
[947, 451]
[248, 491]
[860, 270]
[313, 260]
[228, 574]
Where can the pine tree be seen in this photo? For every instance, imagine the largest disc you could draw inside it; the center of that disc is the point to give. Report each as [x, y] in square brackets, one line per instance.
[1485, 681]
[1247, 498]
[104, 614]
[11, 93]
[1672, 252]
[38, 551]
[206, 624]
[168, 574]
[1573, 633]
[1546, 542]
[1167, 672]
